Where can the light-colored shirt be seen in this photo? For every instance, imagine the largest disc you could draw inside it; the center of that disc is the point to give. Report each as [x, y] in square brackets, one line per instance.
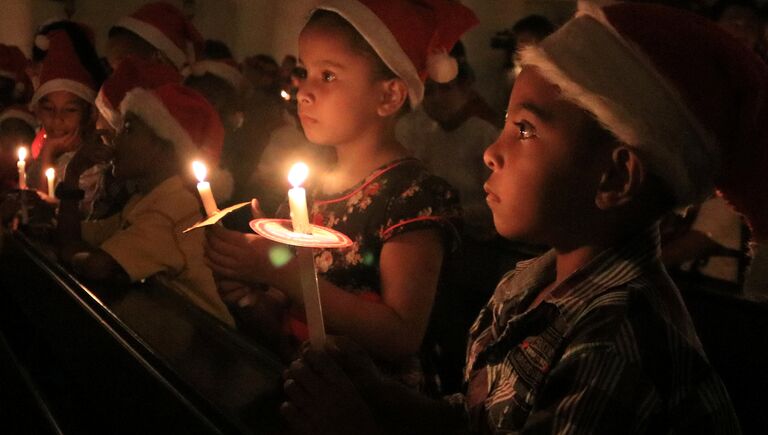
[150, 242]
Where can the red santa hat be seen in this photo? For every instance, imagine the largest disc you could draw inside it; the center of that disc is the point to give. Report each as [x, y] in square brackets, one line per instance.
[132, 73]
[13, 66]
[225, 69]
[19, 112]
[166, 28]
[413, 38]
[185, 118]
[689, 97]
[62, 71]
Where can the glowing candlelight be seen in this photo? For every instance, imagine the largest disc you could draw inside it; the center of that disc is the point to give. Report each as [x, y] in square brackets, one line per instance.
[285, 95]
[22, 165]
[297, 198]
[50, 174]
[204, 188]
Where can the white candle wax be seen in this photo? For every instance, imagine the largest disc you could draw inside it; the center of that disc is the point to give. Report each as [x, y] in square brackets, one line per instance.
[297, 199]
[22, 165]
[50, 174]
[204, 188]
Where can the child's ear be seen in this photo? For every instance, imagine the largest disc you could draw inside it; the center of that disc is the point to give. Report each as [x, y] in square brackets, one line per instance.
[394, 93]
[622, 179]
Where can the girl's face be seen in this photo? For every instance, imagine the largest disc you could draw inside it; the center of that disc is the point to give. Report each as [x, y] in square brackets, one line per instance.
[338, 99]
[545, 173]
[61, 113]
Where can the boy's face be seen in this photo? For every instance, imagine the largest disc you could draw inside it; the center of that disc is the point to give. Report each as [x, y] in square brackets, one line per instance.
[60, 113]
[338, 99]
[545, 174]
[136, 148]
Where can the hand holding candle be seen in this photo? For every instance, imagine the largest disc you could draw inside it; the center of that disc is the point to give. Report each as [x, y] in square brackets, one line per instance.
[50, 174]
[204, 188]
[22, 165]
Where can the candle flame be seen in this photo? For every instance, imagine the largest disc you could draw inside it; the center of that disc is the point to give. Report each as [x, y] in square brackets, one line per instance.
[298, 174]
[286, 96]
[22, 153]
[200, 170]
[50, 173]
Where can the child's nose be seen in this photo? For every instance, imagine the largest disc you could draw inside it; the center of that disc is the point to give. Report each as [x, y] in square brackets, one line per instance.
[304, 94]
[492, 158]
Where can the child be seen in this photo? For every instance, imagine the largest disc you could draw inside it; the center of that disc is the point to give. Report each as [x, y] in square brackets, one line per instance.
[17, 128]
[363, 63]
[164, 130]
[64, 106]
[605, 133]
[157, 31]
[15, 86]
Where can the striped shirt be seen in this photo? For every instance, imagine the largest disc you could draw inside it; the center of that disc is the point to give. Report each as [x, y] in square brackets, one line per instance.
[611, 350]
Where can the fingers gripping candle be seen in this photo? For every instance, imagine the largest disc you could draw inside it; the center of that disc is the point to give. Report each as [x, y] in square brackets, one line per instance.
[297, 201]
[204, 188]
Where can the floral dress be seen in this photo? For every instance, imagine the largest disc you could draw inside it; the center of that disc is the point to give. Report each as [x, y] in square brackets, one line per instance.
[396, 198]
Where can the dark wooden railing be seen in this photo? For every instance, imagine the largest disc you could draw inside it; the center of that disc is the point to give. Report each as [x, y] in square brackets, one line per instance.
[78, 358]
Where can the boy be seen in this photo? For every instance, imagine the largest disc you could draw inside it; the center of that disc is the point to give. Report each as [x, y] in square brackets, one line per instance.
[164, 130]
[605, 133]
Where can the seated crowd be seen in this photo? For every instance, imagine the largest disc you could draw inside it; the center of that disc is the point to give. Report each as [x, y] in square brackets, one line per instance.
[560, 222]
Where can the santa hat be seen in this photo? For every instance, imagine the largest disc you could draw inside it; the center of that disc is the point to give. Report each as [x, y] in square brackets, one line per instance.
[19, 112]
[13, 66]
[166, 28]
[225, 69]
[62, 71]
[413, 38]
[132, 73]
[185, 118]
[689, 97]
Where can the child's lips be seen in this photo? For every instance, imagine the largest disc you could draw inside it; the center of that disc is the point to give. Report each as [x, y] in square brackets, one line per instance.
[490, 197]
[306, 118]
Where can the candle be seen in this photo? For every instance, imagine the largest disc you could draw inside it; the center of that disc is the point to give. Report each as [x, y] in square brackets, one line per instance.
[204, 188]
[50, 174]
[297, 202]
[297, 199]
[285, 95]
[22, 165]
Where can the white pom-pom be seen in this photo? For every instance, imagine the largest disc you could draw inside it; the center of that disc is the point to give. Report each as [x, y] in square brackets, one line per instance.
[42, 42]
[441, 67]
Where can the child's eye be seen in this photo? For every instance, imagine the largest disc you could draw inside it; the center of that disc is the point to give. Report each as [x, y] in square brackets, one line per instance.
[525, 130]
[328, 76]
[126, 126]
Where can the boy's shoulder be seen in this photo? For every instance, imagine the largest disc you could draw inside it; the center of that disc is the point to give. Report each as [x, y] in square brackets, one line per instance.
[170, 199]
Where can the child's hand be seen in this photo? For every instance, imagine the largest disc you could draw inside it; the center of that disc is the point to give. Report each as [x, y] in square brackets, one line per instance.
[322, 399]
[59, 145]
[237, 256]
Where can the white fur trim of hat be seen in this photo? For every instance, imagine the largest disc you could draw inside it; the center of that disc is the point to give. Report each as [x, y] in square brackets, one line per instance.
[147, 106]
[224, 71]
[77, 88]
[26, 117]
[584, 57]
[111, 114]
[155, 37]
[381, 39]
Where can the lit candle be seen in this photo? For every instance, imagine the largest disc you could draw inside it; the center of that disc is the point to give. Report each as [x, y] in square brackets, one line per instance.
[285, 95]
[22, 165]
[297, 199]
[204, 188]
[50, 174]
[297, 202]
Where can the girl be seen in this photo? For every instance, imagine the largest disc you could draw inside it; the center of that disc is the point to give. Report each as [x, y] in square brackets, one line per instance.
[358, 79]
[63, 103]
